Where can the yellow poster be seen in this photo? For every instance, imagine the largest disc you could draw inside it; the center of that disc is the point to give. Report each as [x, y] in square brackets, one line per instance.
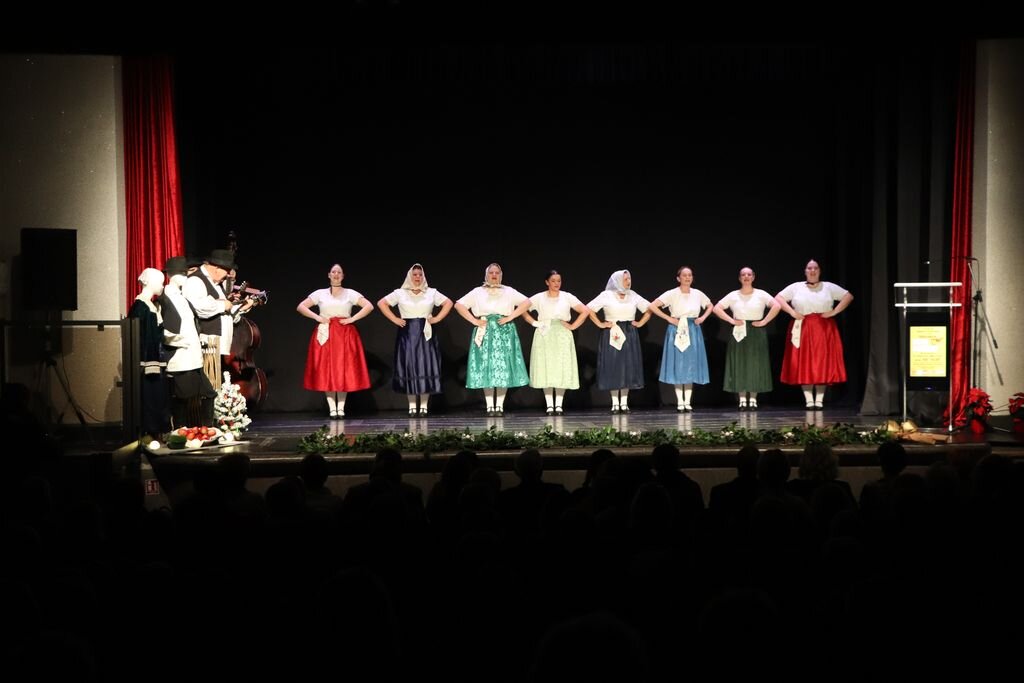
[928, 351]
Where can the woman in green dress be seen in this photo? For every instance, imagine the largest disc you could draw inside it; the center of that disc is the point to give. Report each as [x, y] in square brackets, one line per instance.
[495, 355]
[747, 367]
[553, 363]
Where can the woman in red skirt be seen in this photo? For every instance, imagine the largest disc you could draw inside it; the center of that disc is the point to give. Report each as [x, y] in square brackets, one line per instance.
[814, 352]
[336, 362]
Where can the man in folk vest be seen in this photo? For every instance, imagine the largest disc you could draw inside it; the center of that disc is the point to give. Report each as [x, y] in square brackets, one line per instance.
[191, 393]
[214, 310]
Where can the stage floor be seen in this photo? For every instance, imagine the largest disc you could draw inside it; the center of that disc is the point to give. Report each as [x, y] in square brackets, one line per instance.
[277, 435]
[272, 445]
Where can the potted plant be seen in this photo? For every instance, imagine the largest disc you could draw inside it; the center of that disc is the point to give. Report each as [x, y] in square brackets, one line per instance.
[977, 410]
[1017, 411]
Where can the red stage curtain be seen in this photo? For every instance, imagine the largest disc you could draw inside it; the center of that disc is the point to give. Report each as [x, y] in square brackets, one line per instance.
[152, 185]
[960, 334]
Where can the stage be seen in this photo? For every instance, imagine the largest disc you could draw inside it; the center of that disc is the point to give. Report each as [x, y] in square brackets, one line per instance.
[273, 439]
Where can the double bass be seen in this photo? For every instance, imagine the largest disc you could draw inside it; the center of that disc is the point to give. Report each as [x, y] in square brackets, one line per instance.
[251, 380]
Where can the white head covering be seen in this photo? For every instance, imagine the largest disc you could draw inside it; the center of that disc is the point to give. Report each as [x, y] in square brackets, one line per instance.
[501, 273]
[408, 280]
[152, 278]
[615, 282]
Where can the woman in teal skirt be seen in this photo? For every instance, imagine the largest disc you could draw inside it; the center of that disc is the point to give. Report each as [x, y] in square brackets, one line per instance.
[684, 361]
[553, 363]
[747, 367]
[495, 356]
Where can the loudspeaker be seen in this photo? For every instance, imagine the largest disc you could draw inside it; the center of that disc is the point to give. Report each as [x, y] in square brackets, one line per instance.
[49, 269]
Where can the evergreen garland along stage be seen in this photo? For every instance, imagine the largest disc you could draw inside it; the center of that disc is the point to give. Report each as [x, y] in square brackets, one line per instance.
[323, 442]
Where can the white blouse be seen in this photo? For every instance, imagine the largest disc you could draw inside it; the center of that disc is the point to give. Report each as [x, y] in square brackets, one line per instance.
[553, 308]
[686, 305]
[492, 301]
[747, 306]
[335, 306]
[805, 300]
[416, 305]
[615, 309]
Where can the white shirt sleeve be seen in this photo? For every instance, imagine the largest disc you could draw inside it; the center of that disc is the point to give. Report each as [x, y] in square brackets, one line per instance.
[205, 305]
[469, 298]
[515, 297]
[667, 298]
[836, 291]
[728, 300]
[392, 298]
[789, 292]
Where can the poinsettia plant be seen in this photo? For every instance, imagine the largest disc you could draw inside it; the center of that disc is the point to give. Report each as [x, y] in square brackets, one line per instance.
[1017, 411]
[977, 410]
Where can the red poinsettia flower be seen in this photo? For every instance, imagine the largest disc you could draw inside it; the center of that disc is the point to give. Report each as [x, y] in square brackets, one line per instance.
[977, 398]
[1016, 402]
[979, 405]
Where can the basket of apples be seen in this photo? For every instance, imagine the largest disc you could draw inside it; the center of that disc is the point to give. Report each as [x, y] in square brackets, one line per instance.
[193, 437]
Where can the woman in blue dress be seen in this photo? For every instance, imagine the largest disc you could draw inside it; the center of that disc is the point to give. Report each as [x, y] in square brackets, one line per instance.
[684, 360]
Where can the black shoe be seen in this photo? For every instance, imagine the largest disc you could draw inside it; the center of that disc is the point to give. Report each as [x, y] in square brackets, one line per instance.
[688, 409]
[615, 410]
[499, 411]
[680, 409]
[752, 408]
[559, 411]
[743, 408]
[624, 410]
[490, 411]
[549, 411]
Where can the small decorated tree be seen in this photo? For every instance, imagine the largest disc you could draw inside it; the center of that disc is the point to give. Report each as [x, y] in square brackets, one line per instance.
[230, 409]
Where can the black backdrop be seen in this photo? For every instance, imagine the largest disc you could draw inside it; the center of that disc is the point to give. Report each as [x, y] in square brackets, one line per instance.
[583, 158]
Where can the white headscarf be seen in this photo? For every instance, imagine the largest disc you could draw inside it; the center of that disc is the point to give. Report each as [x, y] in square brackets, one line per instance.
[408, 285]
[615, 282]
[152, 278]
[501, 274]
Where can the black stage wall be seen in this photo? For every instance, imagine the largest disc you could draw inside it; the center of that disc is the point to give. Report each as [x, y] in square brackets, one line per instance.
[582, 158]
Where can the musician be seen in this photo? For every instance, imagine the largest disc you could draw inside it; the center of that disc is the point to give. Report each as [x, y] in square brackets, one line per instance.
[191, 393]
[214, 309]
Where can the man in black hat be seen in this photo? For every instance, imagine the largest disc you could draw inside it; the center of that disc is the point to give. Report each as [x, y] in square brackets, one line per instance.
[191, 393]
[213, 310]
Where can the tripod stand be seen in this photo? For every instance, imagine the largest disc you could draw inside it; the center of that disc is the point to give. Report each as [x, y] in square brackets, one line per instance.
[979, 323]
[51, 363]
[49, 360]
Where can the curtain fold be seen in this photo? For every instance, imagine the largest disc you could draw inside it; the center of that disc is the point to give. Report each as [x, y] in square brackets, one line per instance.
[152, 183]
[960, 252]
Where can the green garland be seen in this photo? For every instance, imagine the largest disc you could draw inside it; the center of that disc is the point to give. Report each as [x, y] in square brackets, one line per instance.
[322, 441]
